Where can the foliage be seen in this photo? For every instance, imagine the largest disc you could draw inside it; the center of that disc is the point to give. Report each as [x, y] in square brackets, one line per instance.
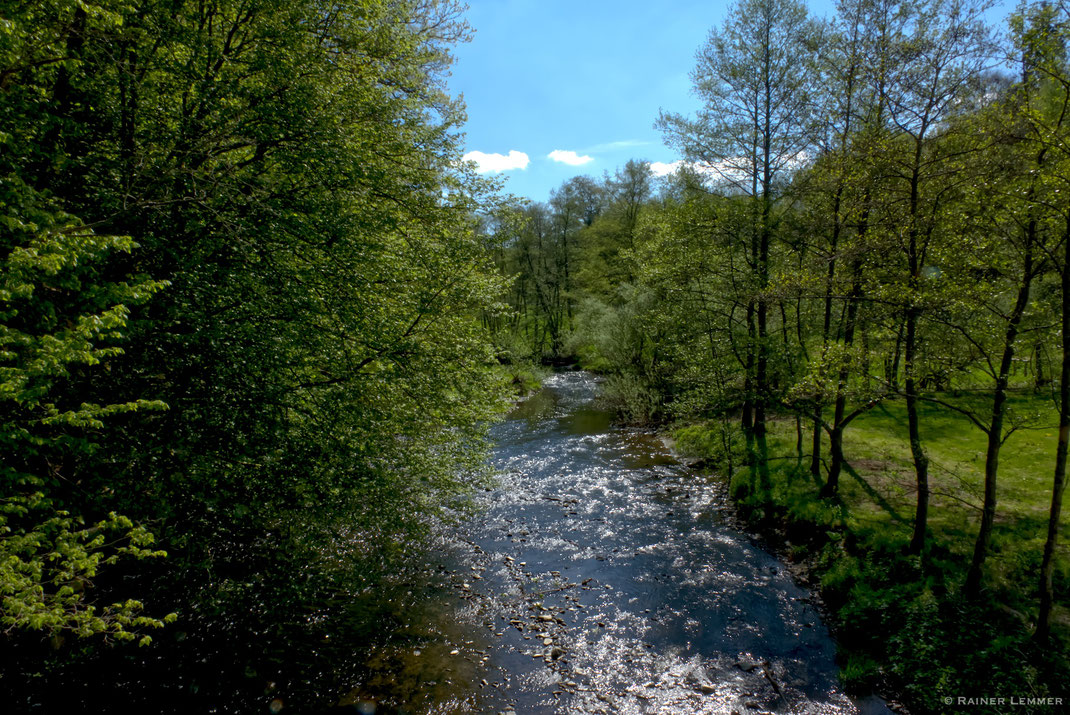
[719, 446]
[292, 172]
[866, 231]
[57, 319]
[47, 560]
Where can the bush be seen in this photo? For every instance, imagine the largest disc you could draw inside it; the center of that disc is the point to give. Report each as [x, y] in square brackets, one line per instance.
[860, 674]
[631, 398]
[717, 444]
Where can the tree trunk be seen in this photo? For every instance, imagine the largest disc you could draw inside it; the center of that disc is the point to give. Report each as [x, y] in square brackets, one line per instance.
[913, 313]
[815, 454]
[765, 234]
[892, 374]
[1059, 482]
[747, 412]
[921, 462]
[832, 484]
[836, 462]
[826, 325]
[995, 425]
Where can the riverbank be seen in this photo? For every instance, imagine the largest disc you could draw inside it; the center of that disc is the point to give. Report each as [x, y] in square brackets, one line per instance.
[524, 378]
[902, 625]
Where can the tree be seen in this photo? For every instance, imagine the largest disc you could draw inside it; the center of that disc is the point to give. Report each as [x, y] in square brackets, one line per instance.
[293, 170]
[58, 319]
[1040, 34]
[934, 53]
[61, 316]
[837, 190]
[986, 281]
[753, 130]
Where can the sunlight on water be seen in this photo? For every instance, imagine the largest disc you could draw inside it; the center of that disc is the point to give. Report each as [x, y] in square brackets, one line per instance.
[599, 577]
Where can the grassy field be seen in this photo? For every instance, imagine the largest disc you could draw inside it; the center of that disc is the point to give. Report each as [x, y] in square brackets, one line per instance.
[879, 485]
[902, 622]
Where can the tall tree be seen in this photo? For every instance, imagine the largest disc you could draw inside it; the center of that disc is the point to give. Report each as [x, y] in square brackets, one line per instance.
[293, 170]
[936, 51]
[837, 191]
[752, 131]
[1041, 32]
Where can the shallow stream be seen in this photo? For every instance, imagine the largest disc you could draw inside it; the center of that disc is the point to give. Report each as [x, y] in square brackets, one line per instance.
[601, 576]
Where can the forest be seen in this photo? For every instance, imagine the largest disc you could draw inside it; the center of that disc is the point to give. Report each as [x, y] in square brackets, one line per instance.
[257, 317]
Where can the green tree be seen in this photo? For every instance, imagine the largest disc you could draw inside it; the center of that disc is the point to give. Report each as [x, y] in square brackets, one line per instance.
[754, 128]
[1040, 36]
[935, 52]
[837, 193]
[58, 319]
[293, 170]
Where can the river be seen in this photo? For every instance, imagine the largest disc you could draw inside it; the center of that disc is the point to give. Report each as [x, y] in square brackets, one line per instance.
[601, 576]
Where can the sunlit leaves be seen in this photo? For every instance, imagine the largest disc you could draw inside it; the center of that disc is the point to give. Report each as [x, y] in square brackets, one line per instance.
[292, 170]
[48, 555]
[48, 559]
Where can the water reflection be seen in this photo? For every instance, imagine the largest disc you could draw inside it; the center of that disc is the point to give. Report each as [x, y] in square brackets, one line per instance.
[599, 577]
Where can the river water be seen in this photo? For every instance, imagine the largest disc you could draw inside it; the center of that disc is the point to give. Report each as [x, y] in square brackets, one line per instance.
[600, 576]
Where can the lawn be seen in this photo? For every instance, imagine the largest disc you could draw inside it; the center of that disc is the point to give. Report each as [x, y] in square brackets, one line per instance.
[879, 484]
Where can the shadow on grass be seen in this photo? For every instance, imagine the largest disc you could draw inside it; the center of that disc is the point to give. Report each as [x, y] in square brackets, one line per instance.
[875, 495]
[814, 477]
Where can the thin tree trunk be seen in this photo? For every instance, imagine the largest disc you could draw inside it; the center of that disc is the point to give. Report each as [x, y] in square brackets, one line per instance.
[765, 234]
[995, 425]
[798, 438]
[1047, 598]
[913, 314]
[826, 326]
[815, 453]
[761, 373]
[921, 461]
[893, 370]
[747, 412]
[1038, 367]
[832, 484]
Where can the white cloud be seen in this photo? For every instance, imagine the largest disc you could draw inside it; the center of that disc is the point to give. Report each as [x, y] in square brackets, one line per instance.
[497, 162]
[569, 157]
[727, 171]
[660, 168]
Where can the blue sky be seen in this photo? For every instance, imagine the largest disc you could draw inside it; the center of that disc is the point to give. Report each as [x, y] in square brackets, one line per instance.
[580, 76]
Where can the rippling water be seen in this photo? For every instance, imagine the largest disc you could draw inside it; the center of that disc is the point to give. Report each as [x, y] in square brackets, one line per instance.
[600, 577]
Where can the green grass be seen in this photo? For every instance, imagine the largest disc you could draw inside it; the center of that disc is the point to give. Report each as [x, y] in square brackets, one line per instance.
[879, 484]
